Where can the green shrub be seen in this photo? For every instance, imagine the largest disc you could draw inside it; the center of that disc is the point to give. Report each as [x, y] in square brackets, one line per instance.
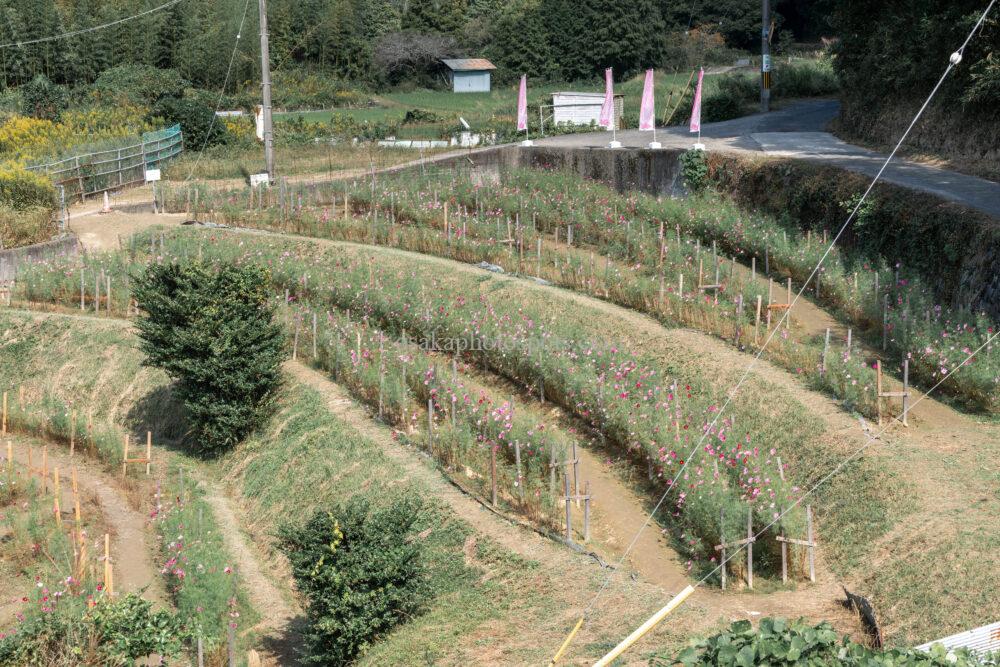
[810, 78]
[21, 189]
[694, 169]
[361, 572]
[198, 122]
[139, 85]
[731, 98]
[778, 642]
[114, 632]
[214, 333]
[43, 99]
[20, 228]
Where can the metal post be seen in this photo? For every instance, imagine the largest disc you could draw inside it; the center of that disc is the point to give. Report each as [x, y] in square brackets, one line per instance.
[265, 77]
[765, 57]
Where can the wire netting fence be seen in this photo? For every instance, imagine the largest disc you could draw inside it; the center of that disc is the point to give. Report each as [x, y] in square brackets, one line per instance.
[93, 173]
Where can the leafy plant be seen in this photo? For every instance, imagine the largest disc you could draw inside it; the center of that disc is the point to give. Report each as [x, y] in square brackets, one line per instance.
[779, 642]
[198, 122]
[694, 169]
[214, 333]
[112, 633]
[21, 189]
[361, 571]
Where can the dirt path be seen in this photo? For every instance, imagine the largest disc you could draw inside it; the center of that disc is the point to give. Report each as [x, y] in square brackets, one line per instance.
[132, 553]
[818, 601]
[617, 508]
[277, 625]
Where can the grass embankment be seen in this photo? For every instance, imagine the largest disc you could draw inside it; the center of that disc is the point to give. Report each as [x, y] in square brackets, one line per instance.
[894, 308]
[55, 368]
[860, 505]
[314, 160]
[650, 410]
[490, 603]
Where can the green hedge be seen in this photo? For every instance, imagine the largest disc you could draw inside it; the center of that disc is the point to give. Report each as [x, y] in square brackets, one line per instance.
[952, 247]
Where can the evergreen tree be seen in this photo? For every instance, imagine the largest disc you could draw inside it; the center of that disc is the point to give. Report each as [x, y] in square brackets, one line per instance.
[521, 44]
[444, 16]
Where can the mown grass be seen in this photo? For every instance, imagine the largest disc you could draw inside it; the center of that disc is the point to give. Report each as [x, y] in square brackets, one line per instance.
[488, 600]
[485, 597]
[226, 162]
[93, 370]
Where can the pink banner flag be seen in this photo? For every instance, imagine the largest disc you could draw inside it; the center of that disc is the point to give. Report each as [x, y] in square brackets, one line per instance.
[608, 108]
[696, 109]
[647, 113]
[522, 105]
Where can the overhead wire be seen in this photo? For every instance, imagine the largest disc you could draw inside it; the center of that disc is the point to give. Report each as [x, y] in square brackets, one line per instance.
[82, 31]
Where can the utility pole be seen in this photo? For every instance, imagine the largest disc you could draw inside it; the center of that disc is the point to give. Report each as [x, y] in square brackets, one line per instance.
[265, 77]
[765, 58]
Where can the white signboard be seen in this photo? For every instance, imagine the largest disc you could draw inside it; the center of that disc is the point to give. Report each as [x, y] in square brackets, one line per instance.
[259, 179]
[766, 64]
[152, 175]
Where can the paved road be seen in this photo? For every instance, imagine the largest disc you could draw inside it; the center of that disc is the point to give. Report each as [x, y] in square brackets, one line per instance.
[798, 131]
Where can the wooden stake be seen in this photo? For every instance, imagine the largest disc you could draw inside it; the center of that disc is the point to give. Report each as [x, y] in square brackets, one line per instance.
[108, 590]
[750, 548]
[430, 425]
[576, 474]
[493, 475]
[517, 463]
[149, 451]
[878, 389]
[826, 348]
[784, 552]
[722, 538]
[4, 432]
[125, 458]
[586, 512]
[569, 510]
[72, 433]
[812, 547]
[55, 485]
[756, 326]
[906, 390]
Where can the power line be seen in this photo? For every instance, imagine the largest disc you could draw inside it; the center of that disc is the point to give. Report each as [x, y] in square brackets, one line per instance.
[222, 92]
[954, 60]
[82, 31]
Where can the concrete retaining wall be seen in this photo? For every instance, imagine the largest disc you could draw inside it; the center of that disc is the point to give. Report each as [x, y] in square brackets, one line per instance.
[11, 259]
[653, 171]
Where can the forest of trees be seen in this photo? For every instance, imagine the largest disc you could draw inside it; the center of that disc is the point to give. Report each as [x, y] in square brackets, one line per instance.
[373, 42]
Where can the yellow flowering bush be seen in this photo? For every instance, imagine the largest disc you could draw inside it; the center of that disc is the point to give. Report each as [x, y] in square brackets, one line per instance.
[21, 189]
[242, 129]
[27, 139]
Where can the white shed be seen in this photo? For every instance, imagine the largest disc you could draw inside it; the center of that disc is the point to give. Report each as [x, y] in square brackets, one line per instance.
[469, 75]
[582, 108]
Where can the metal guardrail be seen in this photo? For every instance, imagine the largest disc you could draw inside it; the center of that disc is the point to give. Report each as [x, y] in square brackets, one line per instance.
[93, 173]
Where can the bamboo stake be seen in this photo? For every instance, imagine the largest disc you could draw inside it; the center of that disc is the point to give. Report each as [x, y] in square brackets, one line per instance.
[149, 451]
[4, 432]
[493, 475]
[55, 485]
[108, 590]
[125, 458]
[641, 631]
[72, 433]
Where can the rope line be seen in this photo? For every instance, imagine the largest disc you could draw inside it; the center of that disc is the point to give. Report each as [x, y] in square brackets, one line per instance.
[954, 60]
[82, 31]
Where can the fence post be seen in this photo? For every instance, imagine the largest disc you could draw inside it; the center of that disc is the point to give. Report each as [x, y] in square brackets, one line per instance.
[569, 511]
[79, 178]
